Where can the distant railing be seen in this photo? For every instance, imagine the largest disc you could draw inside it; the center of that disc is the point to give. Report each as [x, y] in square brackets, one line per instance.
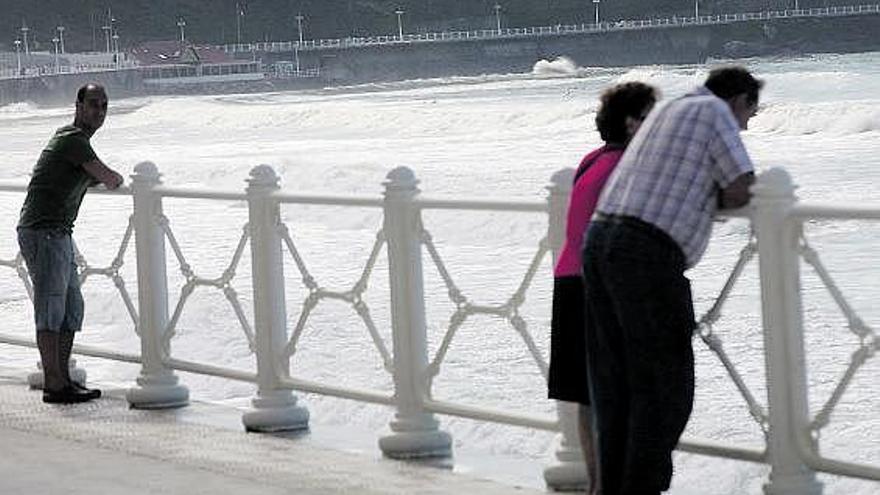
[555, 30]
[790, 432]
[289, 70]
[29, 70]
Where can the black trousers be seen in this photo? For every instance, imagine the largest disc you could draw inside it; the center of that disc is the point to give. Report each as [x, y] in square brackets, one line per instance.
[640, 320]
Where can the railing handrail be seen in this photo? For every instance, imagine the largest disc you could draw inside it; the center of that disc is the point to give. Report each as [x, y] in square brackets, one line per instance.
[825, 210]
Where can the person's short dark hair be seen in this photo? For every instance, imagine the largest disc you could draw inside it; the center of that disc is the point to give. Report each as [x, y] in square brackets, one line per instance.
[727, 82]
[87, 88]
[630, 99]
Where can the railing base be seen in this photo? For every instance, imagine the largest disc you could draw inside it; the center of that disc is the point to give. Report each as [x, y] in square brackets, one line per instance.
[162, 393]
[566, 477]
[275, 413]
[801, 484]
[416, 444]
[569, 472]
[35, 379]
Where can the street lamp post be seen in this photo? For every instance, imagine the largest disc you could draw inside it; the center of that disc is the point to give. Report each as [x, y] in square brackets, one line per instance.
[61, 37]
[697, 9]
[18, 56]
[181, 23]
[55, 41]
[116, 47]
[299, 28]
[596, 8]
[497, 8]
[239, 13]
[24, 34]
[106, 30]
[399, 13]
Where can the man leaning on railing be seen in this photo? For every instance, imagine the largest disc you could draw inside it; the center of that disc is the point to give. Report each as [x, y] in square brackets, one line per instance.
[652, 223]
[66, 168]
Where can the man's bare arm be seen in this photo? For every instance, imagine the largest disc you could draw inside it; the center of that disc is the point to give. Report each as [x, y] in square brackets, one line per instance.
[103, 174]
[736, 194]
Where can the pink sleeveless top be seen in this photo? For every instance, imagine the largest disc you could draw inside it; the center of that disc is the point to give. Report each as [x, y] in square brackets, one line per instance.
[584, 195]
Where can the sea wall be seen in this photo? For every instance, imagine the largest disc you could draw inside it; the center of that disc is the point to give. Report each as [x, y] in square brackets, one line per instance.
[795, 36]
[465, 58]
[61, 88]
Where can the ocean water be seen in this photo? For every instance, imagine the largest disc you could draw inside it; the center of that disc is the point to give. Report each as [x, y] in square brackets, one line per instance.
[496, 136]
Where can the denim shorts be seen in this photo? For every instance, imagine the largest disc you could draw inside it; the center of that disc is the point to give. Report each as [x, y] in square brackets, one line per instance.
[49, 256]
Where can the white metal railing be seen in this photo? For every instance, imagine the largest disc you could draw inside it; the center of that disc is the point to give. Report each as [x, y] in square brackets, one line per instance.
[555, 30]
[791, 433]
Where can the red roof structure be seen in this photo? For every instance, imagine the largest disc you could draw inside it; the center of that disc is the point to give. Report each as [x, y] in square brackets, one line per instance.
[175, 52]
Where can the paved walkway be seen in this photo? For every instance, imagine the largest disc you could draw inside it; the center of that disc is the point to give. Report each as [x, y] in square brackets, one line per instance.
[103, 447]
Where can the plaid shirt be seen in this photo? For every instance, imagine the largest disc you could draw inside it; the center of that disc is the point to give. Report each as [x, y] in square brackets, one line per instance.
[675, 165]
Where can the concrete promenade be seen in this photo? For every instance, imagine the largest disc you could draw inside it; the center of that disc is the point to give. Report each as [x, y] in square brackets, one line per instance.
[103, 447]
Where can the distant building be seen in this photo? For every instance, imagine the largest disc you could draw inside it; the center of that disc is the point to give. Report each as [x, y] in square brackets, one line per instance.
[172, 63]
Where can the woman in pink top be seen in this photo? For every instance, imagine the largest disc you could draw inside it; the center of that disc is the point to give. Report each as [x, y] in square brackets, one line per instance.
[621, 111]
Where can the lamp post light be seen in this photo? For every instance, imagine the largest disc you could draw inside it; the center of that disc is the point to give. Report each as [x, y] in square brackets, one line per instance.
[18, 56]
[116, 46]
[399, 13]
[55, 41]
[596, 8]
[497, 8]
[61, 37]
[24, 34]
[181, 23]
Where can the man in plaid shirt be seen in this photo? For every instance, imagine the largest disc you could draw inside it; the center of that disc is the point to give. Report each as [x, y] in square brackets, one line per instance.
[652, 223]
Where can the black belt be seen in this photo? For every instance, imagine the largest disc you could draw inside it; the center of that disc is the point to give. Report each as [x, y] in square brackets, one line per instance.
[637, 223]
[598, 216]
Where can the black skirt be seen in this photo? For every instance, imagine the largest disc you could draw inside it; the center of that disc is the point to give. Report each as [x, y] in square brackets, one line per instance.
[568, 351]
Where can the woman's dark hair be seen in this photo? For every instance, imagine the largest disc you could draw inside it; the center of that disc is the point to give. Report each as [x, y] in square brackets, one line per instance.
[631, 99]
[727, 82]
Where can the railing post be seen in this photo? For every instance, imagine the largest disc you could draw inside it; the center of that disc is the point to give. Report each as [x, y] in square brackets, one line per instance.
[415, 431]
[783, 335]
[157, 385]
[274, 407]
[568, 473]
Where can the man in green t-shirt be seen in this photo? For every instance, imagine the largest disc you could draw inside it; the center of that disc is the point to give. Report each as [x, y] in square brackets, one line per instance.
[66, 168]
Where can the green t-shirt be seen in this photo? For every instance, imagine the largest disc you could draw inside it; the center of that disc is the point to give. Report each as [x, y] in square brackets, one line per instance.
[59, 181]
